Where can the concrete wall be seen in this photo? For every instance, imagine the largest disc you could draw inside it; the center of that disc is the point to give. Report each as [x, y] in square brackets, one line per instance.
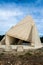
[35, 38]
[15, 46]
[9, 40]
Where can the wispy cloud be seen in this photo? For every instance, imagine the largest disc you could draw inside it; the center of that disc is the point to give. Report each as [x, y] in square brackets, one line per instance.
[12, 11]
[9, 17]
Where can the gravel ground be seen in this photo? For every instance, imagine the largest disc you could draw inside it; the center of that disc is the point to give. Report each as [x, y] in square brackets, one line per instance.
[31, 57]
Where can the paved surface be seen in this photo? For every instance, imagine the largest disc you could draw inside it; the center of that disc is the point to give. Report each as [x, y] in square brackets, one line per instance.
[25, 47]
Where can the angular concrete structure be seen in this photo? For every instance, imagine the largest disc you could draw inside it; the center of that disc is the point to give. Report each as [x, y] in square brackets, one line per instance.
[24, 31]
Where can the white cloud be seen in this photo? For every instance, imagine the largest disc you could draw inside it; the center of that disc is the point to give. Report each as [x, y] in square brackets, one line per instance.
[5, 14]
[11, 14]
[9, 17]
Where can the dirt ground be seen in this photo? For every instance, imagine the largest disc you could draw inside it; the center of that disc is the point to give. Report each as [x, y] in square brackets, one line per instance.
[34, 57]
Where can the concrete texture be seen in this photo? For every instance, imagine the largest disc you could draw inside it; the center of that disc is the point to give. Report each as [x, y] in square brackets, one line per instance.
[25, 30]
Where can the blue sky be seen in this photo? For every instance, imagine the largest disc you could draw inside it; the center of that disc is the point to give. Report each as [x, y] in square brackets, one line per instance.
[12, 11]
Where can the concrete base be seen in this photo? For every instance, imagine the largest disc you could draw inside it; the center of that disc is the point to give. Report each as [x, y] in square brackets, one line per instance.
[8, 48]
[18, 47]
